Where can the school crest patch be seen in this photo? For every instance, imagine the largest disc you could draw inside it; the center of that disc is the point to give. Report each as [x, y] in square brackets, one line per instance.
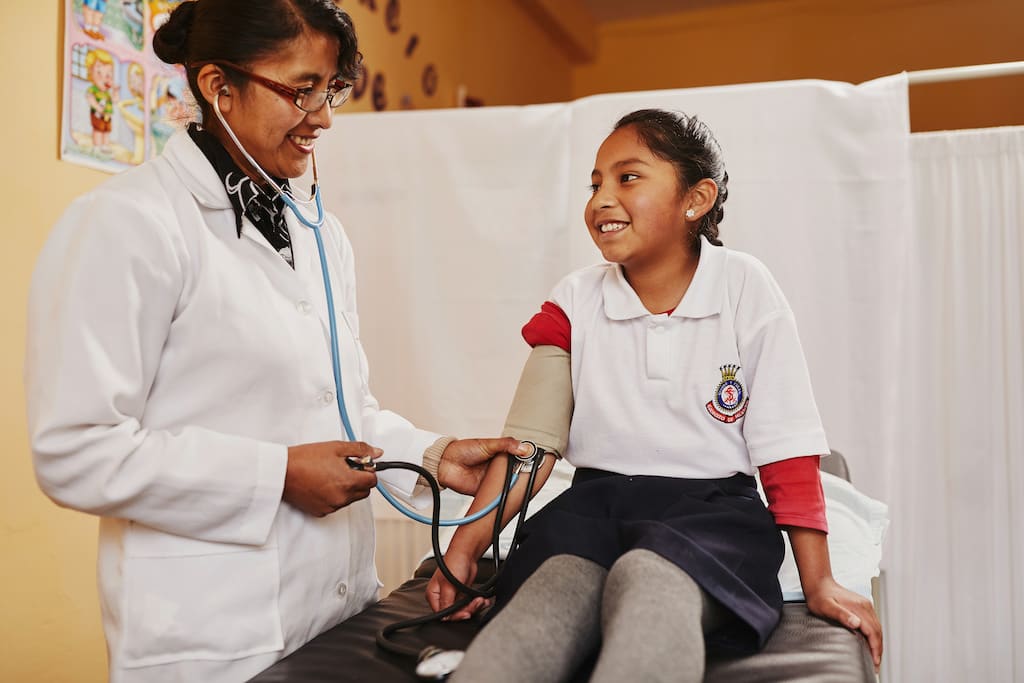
[730, 401]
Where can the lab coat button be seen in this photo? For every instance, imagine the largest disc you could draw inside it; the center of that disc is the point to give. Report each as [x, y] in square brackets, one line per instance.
[342, 589]
[304, 307]
[327, 397]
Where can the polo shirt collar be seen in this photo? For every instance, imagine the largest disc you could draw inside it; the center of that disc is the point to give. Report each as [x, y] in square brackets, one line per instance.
[703, 297]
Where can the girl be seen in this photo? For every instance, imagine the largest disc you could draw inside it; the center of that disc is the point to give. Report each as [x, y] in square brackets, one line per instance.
[686, 374]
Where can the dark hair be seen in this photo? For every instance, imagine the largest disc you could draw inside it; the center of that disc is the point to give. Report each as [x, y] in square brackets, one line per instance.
[245, 31]
[691, 147]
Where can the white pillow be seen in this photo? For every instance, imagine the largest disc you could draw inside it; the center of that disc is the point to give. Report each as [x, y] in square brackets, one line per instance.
[856, 528]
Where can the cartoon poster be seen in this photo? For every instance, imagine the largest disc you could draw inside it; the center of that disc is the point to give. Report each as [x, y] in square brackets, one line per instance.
[121, 103]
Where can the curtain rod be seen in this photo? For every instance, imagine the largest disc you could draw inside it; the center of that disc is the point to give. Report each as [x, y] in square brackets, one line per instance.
[963, 73]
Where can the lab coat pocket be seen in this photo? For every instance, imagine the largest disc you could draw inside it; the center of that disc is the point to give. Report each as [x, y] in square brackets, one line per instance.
[190, 599]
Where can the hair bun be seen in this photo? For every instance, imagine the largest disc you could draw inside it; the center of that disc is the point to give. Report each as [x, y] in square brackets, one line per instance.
[170, 42]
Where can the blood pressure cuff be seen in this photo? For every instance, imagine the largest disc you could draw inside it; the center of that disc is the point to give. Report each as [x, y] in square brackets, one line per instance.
[542, 407]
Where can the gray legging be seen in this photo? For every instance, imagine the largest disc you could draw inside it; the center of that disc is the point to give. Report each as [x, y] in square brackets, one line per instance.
[646, 615]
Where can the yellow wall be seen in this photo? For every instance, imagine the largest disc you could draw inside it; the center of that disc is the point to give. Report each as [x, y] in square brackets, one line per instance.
[50, 629]
[51, 626]
[492, 48]
[829, 39]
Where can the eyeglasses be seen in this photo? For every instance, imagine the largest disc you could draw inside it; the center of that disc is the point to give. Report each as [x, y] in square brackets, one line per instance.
[306, 99]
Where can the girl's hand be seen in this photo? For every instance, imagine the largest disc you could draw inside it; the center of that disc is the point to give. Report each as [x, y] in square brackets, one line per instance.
[441, 594]
[830, 600]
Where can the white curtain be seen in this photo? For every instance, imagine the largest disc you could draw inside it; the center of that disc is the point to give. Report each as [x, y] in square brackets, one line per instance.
[955, 557]
[457, 221]
[463, 220]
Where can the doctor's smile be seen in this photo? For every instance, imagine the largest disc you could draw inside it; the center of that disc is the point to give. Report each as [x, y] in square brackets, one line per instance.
[304, 143]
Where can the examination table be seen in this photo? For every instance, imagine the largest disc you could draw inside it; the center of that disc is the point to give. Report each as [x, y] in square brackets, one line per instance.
[803, 648]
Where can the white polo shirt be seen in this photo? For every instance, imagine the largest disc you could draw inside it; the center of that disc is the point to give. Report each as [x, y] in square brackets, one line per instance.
[717, 387]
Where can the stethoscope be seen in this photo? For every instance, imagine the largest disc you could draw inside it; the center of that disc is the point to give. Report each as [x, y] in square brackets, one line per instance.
[315, 224]
[432, 663]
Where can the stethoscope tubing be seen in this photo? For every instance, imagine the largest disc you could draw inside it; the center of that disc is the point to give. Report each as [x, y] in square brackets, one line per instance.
[315, 225]
[469, 592]
[435, 522]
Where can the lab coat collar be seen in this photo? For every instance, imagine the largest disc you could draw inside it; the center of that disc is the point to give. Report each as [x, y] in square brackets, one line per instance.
[703, 297]
[195, 171]
[198, 175]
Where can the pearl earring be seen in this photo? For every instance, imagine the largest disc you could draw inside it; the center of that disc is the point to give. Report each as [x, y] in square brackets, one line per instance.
[690, 213]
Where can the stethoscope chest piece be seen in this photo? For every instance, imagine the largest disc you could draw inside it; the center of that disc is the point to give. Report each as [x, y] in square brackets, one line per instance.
[436, 664]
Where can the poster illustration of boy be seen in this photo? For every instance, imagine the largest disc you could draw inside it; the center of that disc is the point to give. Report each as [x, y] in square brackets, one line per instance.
[113, 83]
[101, 96]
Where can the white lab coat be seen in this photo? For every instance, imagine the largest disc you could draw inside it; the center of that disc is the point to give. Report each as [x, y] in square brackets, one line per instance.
[170, 364]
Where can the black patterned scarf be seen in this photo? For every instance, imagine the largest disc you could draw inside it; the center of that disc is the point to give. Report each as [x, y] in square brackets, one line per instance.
[248, 199]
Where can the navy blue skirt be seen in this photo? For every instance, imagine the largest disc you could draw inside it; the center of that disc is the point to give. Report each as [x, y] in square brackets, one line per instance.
[718, 531]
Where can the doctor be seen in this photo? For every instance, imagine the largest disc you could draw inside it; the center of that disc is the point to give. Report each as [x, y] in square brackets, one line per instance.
[179, 371]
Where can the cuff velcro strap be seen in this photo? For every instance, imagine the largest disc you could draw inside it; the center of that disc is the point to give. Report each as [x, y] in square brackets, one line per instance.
[432, 459]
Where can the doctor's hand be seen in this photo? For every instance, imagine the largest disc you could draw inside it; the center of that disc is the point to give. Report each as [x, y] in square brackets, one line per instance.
[318, 481]
[464, 461]
[441, 594]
